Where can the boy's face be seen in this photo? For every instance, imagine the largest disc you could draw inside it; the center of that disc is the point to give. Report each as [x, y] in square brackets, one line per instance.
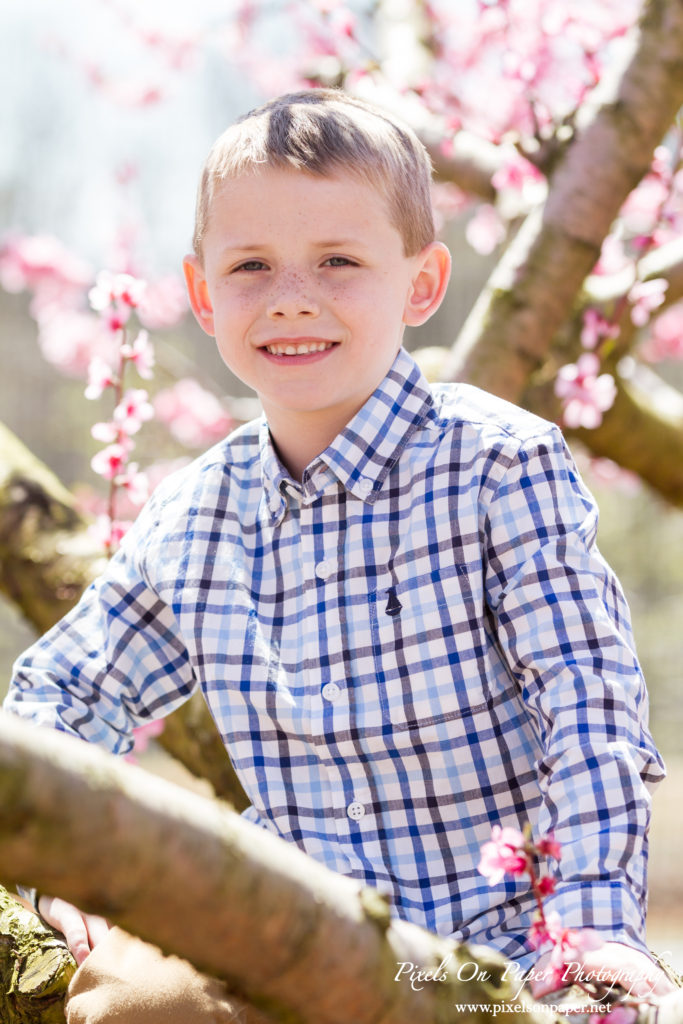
[306, 289]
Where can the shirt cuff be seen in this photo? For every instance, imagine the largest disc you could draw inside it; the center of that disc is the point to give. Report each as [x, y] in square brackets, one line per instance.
[30, 895]
[609, 907]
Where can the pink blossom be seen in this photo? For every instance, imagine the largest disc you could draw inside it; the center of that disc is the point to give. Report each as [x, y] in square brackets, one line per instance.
[504, 854]
[133, 409]
[163, 303]
[90, 503]
[646, 296]
[642, 208]
[485, 230]
[538, 933]
[618, 1015]
[144, 733]
[548, 846]
[113, 290]
[134, 483]
[100, 377]
[662, 164]
[141, 354]
[109, 533]
[194, 416]
[665, 340]
[595, 328]
[126, 172]
[586, 394]
[565, 941]
[545, 885]
[111, 461]
[610, 474]
[613, 257]
[107, 433]
[448, 200]
[116, 317]
[69, 340]
[515, 172]
[30, 261]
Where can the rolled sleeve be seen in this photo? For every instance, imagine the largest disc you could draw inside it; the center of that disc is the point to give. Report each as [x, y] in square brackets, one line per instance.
[114, 662]
[563, 627]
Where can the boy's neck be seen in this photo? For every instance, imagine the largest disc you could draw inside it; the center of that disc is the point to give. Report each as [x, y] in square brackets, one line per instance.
[300, 438]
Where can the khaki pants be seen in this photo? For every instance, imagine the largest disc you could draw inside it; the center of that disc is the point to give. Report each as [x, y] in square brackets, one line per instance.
[127, 981]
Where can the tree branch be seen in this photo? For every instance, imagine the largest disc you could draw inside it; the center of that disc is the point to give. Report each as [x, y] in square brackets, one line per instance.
[46, 556]
[642, 432]
[532, 291]
[189, 875]
[470, 162]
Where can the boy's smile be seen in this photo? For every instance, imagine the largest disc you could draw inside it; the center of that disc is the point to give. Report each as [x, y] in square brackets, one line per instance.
[305, 285]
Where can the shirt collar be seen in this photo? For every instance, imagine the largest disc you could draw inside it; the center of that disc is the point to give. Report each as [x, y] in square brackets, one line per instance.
[361, 456]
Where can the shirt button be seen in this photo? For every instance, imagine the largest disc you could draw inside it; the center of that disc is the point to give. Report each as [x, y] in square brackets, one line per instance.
[324, 569]
[365, 485]
[355, 810]
[275, 503]
[331, 691]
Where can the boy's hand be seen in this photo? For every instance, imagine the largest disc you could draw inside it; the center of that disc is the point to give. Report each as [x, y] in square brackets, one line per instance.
[81, 931]
[614, 963]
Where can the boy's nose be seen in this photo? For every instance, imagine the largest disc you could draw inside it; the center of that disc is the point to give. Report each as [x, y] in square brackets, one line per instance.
[292, 298]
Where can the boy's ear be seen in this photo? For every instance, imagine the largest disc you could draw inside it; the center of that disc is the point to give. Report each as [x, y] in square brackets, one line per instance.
[198, 293]
[429, 284]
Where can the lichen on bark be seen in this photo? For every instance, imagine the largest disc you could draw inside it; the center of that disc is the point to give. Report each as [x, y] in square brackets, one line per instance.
[35, 967]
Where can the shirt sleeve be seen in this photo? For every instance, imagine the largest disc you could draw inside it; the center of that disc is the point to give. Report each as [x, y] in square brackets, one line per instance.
[112, 663]
[563, 626]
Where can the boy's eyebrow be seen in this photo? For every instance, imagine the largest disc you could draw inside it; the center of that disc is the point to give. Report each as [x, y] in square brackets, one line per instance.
[334, 243]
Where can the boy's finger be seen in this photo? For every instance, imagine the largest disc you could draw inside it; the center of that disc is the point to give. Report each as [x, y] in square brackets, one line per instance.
[70, 922]
[97, 927]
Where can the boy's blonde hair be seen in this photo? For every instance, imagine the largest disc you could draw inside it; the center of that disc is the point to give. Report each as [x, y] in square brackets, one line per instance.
[321, 131]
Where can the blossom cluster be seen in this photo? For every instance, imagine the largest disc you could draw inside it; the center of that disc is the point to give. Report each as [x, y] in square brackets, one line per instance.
[651, 216]
[84, 330]
[114, 297]
[71, 333]
[511, 852]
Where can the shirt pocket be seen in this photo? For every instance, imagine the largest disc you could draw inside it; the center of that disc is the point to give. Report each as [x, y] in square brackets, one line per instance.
[427, 645]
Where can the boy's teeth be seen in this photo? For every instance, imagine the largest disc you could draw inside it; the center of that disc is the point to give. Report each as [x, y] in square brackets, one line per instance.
[298, 350]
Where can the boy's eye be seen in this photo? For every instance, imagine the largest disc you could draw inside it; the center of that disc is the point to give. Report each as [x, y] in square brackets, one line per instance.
[251, 265]
[339, 261]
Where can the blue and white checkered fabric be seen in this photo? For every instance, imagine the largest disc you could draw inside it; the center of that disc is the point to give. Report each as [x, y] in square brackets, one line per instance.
[418, 642]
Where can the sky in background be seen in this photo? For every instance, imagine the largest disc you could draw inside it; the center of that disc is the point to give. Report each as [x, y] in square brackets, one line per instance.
[64, 140]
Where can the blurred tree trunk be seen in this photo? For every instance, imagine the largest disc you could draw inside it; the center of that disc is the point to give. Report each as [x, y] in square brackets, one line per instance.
[47, 559]
[46, 556]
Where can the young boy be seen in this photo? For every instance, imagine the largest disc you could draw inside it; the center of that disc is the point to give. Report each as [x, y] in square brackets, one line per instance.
[389, 593]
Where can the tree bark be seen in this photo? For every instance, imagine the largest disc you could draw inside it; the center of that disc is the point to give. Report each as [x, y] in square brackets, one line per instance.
[35, 967]
[531, 293]
[46, 556]
[190, 735]
[289, 936]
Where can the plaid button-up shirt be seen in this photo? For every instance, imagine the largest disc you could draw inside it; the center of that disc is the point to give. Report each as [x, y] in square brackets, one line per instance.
[418, 641]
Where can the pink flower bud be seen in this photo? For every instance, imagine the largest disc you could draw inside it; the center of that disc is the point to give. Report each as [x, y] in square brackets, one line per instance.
[505, 854]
